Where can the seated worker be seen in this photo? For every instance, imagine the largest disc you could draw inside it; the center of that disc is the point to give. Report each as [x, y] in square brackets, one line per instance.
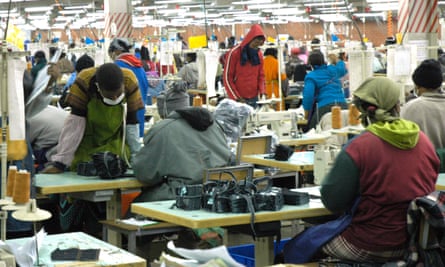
[366, 168]
[40, 62]
[189, 137]
[99, 98]
[189, 72]
[427, 110]
[44, 130]
[177, 151]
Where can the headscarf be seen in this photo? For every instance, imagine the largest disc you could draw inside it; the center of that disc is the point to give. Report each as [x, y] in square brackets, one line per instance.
[376, 99]
[382, 93]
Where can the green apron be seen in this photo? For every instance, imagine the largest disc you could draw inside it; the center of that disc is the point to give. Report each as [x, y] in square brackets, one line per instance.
[103, 132]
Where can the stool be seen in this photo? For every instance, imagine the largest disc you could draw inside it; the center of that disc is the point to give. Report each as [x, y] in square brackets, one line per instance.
[132, 231]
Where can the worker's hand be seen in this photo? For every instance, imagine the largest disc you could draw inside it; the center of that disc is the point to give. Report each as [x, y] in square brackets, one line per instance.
[53, 168]
[263, 96]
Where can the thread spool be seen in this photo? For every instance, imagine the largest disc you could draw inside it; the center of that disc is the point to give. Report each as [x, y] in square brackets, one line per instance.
[197, 101]
[11, 180]
[22, 187]
[354, 115]
[336, 117]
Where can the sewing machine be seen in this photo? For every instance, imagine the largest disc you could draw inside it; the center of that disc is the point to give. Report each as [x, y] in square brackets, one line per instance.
[324, 158]
[283, 123]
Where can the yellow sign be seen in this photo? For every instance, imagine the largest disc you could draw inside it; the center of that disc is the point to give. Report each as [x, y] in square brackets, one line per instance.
[197, 41]
[15, 37]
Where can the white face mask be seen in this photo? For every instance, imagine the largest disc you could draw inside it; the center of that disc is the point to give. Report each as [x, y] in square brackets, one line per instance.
[114, 102]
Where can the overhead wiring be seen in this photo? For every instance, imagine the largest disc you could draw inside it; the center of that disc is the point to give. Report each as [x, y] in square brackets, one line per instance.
[7, 19]
[355, 25]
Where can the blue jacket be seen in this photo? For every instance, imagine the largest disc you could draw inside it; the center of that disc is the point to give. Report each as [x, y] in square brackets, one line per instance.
[325, 79]
[125, 61]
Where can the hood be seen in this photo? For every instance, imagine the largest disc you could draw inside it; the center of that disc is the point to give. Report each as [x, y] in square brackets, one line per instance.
[254, 31]
[130, 59]
[400, 133]
[199, 118]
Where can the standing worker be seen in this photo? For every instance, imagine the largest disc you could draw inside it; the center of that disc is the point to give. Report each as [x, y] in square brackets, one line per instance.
[119, 51]
[243, 74]
[104, 102]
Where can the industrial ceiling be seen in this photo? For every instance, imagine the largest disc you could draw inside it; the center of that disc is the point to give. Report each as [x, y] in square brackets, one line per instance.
[63, 14]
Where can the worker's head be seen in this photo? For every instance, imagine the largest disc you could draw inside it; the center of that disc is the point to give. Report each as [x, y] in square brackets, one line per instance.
[190, 57]
[295, 51]
[39, 55]
[271, 51]
[110, 83]
[377, 99]
[316, 58]
[257, 42]
[85, 61]
[117, 47]
[427, 76]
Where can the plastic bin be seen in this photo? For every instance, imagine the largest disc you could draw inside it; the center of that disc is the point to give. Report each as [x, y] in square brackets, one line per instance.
[245, 254]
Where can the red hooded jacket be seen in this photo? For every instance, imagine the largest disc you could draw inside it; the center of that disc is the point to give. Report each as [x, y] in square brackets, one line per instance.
[244, 81]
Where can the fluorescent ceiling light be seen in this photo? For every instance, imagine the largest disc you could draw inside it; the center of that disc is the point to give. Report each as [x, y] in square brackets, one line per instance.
[172, 11]
[286, 11]
[263, 6]
[332, 17]
[7, 1]
[42, 17]
[71, 12]
[324, 4]
[11, 15]
[38, 9]
[96, 15]
[252, 2]
[171, 1]
[381, 1]
[64, 18]
[342, 8]
[79, 7]
[10, 11]
[372, 14]
[231, 12]
[384, 7]
[142, 8]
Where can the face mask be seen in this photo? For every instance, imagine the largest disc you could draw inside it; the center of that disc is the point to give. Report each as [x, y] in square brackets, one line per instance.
[115, 102]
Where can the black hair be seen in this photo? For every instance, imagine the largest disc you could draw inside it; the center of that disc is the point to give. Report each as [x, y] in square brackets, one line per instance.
[316, 58]
[119, 44]
[39, 54]
[145, 54]
[110, 77]
[85, 61]
[271, 52]
[191, 57]
[52, 51]
[315, 41]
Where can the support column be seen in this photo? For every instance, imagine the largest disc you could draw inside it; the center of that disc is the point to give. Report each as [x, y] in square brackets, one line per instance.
[118, 20]
[419, 24]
